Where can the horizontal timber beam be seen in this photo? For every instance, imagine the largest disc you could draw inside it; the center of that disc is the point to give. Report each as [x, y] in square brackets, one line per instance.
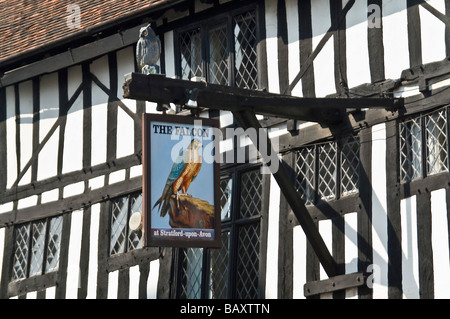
[160, 89]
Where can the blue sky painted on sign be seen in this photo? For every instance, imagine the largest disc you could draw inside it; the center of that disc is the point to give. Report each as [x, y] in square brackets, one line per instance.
[162, 146]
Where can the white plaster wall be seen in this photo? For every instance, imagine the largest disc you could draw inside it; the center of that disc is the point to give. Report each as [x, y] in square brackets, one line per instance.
[351, 249]
[100, 69]
[93, 252]
[31, 295]
[169, 56]
[48, 114]
[152, 280]
[125, 65]
[2, 247]
[50, 293]
[4, 208]
[432, 33]
[26, 128]
[272, 46]
[125, 124]
[73, 264]
[27, 202]
[73, 189]
[324, 61]
[358, 67]
[299, 262]
[410, 253]
[11, 157]
[125, 134]
[113, 284]
[326, 231]
[273, 240]
[73, 134]
[293, 44]
[395, 38]
[440, 244]
[134, 276]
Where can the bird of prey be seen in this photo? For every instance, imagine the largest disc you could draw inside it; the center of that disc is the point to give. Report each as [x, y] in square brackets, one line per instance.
[148, 49]
[183, 172]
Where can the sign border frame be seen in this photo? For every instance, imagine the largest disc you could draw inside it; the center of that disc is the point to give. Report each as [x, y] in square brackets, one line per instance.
[148, 240]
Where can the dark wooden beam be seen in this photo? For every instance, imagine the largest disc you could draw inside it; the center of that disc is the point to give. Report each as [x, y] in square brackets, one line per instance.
[248, 120]
[160, 89]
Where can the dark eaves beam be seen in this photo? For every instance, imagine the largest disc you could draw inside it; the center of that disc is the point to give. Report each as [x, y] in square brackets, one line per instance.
[160, 89]
[248, 119]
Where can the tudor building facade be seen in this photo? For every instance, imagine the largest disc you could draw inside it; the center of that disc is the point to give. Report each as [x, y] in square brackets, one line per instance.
[376, 184]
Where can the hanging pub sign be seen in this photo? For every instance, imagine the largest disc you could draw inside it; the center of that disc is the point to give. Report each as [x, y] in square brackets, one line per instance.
[181, 200]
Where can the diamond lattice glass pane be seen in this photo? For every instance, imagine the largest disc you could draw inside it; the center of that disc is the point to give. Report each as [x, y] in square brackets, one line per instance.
[192, 273]
[219, 268]
[225, 198]
[304, 171]
[410, 150]
[20, 262]
[191, 57]
[436, 135]
[218, 56]
[245, 50]
[350, 165]
[251, 193]
[37, 247]
[248, 262]
[135, 237]
[327, 170]
[54, 244]
[119, 218]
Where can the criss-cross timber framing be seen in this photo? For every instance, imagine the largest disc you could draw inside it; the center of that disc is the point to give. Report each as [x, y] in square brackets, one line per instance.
[245, 104]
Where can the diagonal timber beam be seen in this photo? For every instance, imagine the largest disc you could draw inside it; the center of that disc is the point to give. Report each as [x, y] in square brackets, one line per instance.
[248, 119]
[160, 89]
[335, 26]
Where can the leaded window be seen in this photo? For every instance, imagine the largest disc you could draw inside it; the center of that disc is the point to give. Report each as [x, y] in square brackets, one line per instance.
[424, 145]
[411, 150]
[305, 169]
[245, 41]
[223, 51]
[191, 273]
[328, 170]
[191, 57]
[37, 248]
[207, 273]
[437, 142]
[123, 239]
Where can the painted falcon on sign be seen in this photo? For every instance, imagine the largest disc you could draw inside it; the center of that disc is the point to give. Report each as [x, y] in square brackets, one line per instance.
[183, 172]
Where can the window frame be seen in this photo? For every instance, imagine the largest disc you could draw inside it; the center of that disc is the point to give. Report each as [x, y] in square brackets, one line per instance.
[205, 25]
[124, 260]
[314, 184]
[420, 120]
[129, 196]
[30, 245]
[19, 287]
